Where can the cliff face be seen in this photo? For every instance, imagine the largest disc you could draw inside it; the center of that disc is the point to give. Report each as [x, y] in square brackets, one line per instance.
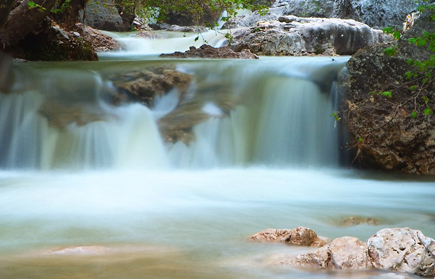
[381, 128]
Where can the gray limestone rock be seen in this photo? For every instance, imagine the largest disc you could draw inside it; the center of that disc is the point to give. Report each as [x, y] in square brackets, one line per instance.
[402, 250]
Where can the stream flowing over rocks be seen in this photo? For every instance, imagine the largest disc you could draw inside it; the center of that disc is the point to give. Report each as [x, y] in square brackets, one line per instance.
[291, 35]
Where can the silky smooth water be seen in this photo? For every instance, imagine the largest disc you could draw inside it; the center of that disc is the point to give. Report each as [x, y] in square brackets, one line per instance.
[160, 210]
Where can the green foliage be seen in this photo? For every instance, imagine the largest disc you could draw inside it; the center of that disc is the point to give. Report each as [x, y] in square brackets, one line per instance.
[390, 51]
[33, 5]
[197, 8]
[388, 94]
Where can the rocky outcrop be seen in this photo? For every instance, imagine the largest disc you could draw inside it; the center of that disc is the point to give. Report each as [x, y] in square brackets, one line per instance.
[383, 129]
[374, 13]
[297, 236]
[302, 36]
[402, 250]
[100, 41]
[55, 44]
[207, 51]
[187, 29]
[344, 253]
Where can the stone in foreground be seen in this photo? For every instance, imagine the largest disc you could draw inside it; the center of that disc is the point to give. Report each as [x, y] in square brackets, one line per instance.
[402, 250]
[344, 253]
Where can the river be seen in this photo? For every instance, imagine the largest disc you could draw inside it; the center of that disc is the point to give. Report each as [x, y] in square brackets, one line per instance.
[143, 208]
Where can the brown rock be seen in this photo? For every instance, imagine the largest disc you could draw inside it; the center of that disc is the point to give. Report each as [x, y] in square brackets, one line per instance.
[402, 250]
[99, 41]
[207, 51]
[344, 253]
[143, 85]
[297, 236]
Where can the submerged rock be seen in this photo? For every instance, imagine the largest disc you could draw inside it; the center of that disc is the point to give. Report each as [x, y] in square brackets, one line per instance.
[297, 236]
[344, 253]
[207, 51]
[79, 251]
[357, 220]
[290, 35]
[402, 250]
[148, 35]
[59, 115]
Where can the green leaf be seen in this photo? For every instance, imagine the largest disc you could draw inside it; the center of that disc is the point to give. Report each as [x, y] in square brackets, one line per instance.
[361, 139]
[414, 114]
[388, 94]
[412, 40]
[409, 61]
[396, 35]
[197, 38]
[425, 99]
[413, 87]
[409, 74]
[428, 111]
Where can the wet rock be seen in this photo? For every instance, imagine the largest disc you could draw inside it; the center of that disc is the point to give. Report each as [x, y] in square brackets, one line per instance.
[358, 220]
[207, 51]
[297, 36]
[149, 35]
[297, 236]
[143, 85]
[100, 42]
[344, 253]
[400, 143]
[402, 250]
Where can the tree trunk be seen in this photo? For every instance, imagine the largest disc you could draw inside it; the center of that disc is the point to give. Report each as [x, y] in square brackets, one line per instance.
[22, 20]
[5, 9]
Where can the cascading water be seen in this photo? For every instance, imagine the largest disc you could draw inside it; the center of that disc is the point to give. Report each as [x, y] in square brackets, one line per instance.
[278, 122]
[99, 178]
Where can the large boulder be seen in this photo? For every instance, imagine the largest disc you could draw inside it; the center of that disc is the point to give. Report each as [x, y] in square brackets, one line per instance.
[207, 51]
[344, 253]
[301, 36]
[297, 236]
[103, 15]
[383, 129]
[402, 250]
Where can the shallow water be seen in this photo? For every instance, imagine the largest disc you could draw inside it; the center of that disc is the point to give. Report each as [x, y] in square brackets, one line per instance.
[189, 224]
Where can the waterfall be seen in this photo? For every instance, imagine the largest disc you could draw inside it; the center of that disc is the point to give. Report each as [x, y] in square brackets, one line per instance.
[271, 113]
